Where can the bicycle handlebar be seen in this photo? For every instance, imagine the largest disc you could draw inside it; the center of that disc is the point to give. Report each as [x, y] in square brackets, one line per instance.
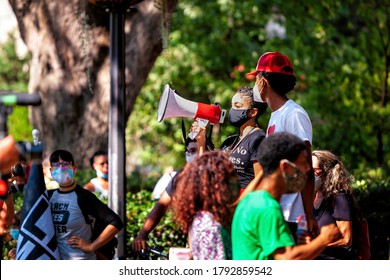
[150, 253]
[11, 99]
[157, 252]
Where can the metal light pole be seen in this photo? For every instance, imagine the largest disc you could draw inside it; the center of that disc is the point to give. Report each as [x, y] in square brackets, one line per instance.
[117, 120]
[117, 125]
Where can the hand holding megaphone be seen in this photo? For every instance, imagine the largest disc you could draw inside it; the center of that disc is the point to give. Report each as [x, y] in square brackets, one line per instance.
[196, 127]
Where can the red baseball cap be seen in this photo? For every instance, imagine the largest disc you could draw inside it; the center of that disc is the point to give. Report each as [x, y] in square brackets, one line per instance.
[273, 62]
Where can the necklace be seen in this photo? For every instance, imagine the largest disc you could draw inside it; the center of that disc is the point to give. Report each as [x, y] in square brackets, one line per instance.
[68, 187]
[235, 145]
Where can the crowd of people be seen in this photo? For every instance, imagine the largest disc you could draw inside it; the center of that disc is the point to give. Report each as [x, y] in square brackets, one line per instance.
[242, 202]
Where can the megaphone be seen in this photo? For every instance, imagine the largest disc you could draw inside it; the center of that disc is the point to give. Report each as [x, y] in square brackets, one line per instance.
[173, 105]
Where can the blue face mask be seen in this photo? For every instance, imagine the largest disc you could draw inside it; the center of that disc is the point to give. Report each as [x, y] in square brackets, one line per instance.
[63, 176]
[189, 157]
[14, 233]
[101, 174]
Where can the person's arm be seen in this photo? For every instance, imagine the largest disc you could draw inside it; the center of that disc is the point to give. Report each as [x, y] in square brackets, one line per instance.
[257, 168]
[10, 209]
[107, 234]
[105, 217]
[153, 219]
[308, 192]
[9, 154]
[309, 251]
[6, 214]
[89, 186]
[345, 228]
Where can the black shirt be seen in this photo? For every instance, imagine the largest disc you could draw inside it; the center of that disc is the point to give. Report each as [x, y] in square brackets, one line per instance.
[243, 154]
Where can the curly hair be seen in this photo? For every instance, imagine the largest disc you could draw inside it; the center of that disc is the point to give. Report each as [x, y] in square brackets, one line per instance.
[338, 179]
[205, 184]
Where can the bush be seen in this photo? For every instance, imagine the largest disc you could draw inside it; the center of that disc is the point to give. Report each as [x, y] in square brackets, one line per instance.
[167, 234]
[373, 199]
[372, 194]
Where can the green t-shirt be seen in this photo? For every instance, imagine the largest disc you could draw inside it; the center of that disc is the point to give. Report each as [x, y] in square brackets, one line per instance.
[258, 228]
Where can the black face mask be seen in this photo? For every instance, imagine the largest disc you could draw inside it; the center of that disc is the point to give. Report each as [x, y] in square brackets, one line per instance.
[238, 117]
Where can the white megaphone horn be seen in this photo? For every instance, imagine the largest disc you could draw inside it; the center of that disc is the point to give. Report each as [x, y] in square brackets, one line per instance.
[173, 105]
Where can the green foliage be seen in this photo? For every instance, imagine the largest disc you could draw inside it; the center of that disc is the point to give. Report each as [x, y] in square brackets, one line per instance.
[14, 77]
[373, 198]
[9, 243]
[83, 176]
[372, 195]
[338, 49]
[167, 234]
[340, 54]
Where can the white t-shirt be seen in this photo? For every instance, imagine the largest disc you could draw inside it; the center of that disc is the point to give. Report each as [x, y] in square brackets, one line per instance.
[69, 221]
[291, 118]
[99, 188]
[162, 183]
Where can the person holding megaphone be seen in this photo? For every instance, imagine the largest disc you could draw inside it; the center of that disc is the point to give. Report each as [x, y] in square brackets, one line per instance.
[241, 147]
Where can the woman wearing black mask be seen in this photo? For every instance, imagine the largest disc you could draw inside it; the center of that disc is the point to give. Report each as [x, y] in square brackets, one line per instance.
[242, 147]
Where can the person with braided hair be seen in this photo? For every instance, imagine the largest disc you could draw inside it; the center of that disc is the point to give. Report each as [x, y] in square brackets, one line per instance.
[241, 147]
[205, 191]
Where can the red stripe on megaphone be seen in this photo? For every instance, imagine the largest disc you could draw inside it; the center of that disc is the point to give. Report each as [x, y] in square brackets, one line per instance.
[211, 113]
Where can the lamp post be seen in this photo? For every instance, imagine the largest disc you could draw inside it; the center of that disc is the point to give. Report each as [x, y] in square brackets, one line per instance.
[117, 124]
[117, 120]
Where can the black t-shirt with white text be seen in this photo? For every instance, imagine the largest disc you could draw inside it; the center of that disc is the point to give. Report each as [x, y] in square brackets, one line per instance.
[244, 154]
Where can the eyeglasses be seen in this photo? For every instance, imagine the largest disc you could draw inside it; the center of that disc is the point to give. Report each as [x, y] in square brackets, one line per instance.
[62, 164]
[103, 163]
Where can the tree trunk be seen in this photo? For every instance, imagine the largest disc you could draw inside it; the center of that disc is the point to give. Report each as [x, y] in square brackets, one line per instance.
[69, 47]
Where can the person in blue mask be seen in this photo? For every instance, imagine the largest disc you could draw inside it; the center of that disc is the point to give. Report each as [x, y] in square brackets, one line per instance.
[99, 184]
[74, 209]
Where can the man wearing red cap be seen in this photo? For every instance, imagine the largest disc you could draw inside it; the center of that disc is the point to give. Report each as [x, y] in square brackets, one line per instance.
[274, 79]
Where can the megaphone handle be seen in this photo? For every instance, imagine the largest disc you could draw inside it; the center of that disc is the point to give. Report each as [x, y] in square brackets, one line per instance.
[201, 124]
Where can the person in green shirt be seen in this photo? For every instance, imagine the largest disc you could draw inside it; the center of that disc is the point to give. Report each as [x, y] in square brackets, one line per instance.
[259, 231]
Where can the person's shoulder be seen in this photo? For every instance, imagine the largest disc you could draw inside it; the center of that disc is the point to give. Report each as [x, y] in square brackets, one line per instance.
[264, 196]
[258, 133]
[50, 192]
[89, 186]
[229, 141]
[84, 192]
[295, 107]
[341, 196]
[256, 136]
